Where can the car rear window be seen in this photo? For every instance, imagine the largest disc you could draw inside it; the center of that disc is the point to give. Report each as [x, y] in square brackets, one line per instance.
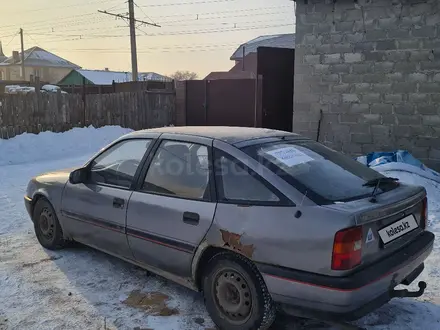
[324, 175]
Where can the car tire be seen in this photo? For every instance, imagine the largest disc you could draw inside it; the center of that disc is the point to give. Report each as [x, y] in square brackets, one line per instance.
[235, 294]
[47, 227]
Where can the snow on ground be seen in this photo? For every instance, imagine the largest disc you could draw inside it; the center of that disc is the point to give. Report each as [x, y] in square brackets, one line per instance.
[30, 148]
[79, 288]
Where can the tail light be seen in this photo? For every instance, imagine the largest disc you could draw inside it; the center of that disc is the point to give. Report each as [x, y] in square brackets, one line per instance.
[347, 249]
[424, 215]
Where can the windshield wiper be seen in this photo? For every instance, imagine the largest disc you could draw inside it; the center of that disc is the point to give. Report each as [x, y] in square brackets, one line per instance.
[376, 183]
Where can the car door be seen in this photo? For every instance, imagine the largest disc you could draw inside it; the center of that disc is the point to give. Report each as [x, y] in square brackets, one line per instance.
[95, 211]
[173, 208]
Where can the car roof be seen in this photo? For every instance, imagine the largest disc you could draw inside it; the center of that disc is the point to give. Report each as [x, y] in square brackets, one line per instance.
[229, 134]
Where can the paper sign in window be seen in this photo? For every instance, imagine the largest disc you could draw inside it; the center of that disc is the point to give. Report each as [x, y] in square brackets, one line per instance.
[289, 156]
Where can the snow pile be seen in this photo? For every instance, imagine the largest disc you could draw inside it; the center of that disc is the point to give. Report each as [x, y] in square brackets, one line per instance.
[400, 160]
[432, 188]
[28, 148]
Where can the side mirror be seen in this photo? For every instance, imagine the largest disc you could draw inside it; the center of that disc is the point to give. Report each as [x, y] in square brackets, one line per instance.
[78, 176]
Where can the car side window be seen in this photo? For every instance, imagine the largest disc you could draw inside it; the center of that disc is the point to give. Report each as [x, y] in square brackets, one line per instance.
[178, 169]
[237, 183]
[117, 166]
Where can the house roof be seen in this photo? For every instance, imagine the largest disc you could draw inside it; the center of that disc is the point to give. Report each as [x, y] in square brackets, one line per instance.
[37, 56]
[277, 41]
[104, 77]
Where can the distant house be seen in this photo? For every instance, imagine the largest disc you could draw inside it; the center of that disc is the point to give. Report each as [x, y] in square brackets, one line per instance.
[38, 63]
[246, 67]
[106, 77]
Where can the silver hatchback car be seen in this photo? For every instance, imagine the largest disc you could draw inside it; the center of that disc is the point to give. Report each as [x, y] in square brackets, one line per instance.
[254, 218]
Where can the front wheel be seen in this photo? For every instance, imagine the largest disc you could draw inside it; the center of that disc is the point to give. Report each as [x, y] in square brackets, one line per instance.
[47, 227]
[236, 296]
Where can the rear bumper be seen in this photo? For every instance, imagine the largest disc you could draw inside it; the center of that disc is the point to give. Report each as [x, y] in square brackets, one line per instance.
[350, 297]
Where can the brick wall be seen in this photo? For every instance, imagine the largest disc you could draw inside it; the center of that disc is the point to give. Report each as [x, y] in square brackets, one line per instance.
[374, 71]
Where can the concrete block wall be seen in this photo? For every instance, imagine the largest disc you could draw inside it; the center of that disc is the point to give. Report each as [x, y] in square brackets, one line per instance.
[373, 69]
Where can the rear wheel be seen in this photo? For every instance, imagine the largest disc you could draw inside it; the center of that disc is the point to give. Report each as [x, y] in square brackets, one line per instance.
[235, 294]
[47, 227]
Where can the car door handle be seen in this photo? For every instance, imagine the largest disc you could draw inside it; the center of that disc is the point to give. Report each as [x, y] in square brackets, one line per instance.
[191, 218]
[118, 203]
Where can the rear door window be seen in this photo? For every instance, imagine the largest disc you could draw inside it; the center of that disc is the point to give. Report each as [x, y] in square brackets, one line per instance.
[321, 173]
[236, 183]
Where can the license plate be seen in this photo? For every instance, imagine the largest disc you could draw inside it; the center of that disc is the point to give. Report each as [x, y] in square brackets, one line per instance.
[398, 229]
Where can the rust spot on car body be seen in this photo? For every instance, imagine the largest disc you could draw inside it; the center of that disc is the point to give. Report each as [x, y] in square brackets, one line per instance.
[233, 241]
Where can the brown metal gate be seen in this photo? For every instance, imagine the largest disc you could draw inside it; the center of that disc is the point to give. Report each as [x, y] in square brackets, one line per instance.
[276, 69]
[223, 102]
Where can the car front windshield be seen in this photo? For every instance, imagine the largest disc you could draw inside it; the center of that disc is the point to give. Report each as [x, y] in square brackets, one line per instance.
[321, 173]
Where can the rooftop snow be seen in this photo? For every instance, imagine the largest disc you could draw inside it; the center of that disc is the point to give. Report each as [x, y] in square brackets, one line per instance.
[277, 41]
[103, 77]
[37, 56]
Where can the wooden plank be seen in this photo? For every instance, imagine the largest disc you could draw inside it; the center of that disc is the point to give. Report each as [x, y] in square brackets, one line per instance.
[60, 112]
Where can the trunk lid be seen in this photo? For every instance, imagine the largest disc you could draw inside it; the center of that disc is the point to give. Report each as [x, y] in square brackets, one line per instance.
[390, 223]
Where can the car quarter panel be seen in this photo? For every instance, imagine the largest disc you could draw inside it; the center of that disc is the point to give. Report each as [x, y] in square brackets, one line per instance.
[275, 236]
[298, 237]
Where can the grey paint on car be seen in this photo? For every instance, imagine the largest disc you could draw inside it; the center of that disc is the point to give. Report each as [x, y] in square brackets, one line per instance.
[286, 236]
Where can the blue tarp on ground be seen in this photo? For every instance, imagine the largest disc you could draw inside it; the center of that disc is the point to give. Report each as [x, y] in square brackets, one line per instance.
[400, 160]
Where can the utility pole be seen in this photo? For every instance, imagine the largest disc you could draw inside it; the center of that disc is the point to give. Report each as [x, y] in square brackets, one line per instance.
[134, 61]
[23, 74]
[132, 23]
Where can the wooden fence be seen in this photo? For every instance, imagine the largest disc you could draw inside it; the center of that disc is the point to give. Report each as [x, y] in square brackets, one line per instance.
[125, 87]
[37, 112]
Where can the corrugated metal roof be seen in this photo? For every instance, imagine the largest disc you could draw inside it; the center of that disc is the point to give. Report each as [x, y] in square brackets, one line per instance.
[104, 77]
[37, 56]
[277, 41]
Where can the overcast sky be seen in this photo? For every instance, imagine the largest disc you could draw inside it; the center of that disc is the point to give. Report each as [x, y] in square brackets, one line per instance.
[196, 35]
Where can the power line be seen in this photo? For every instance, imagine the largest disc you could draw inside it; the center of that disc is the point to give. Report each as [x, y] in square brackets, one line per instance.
[84, 4]
[115, 7]
[33, 24]
[87, 19]
[61, 27]
[168, 47]
[12, 39]
[235, 29]
[32, 38]
[187, 3]
[225, 11]
[80, 35]
[144, 13]
[9, 35]
[201, 31]
[221, 22]
[151, 51]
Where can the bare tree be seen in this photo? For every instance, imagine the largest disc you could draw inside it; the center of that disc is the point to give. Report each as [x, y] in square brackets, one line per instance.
[184, 75]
